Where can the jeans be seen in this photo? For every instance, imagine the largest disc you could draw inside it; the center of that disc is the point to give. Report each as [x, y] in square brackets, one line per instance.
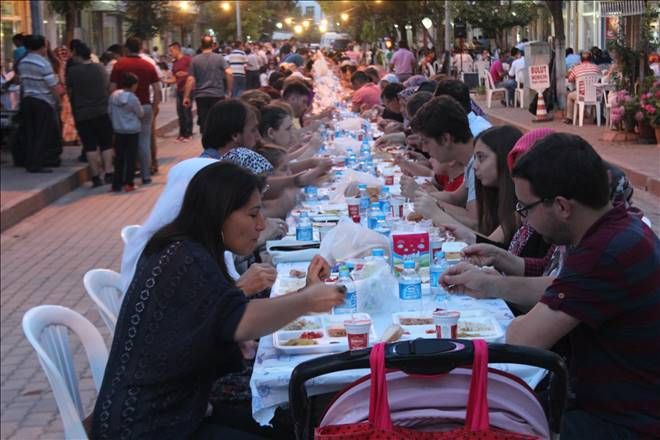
[581, 425]
[126, 146]
[203, 106]
[252, 79]
[144, 143]
[510, 86]
[185, 117]
[239, 86]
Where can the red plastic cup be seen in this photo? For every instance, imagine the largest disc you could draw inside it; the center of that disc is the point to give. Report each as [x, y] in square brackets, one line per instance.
[355, 218]
[353, 206]
[446, 324]
[389, 178]
[357, 332]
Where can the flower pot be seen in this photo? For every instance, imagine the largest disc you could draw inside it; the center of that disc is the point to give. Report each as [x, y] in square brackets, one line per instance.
[646, 132]
[629, 123]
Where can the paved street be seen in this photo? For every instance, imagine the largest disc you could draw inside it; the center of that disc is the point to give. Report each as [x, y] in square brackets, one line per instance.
[44, 259]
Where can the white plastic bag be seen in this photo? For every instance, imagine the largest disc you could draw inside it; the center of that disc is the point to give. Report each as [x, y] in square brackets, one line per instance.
[350, 176]
[378, 292]
[351, 240]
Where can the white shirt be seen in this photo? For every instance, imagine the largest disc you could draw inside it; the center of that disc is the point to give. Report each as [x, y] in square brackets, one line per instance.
[516, 65]
[159, 72]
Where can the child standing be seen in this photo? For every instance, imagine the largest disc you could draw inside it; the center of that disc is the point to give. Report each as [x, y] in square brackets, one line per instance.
[126, 114]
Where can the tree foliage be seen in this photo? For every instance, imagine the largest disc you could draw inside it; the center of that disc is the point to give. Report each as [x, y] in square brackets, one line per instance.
[69, 10]
[257, 17]
[146, 18]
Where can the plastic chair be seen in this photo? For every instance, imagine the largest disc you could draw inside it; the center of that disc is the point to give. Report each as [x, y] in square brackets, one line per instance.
[587, 96]
[127, 232]
[481, 66]
[104, 287]
[519, 94]
[47, 329]
[491, 89]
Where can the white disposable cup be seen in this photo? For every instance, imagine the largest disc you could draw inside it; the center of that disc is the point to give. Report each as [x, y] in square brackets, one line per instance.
[357, 333]
[446, 324]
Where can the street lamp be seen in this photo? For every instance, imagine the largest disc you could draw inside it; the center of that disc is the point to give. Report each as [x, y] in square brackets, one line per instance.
[184, 5]
[427, 23]
[225, 6]
[344, 16]
[298, 29]
[278, 25]
[323, 28]
[306, 24]
[288, 21]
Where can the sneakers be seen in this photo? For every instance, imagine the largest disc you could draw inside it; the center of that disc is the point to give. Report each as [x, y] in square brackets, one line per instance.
[96, 182]
[146, 181]
[129, 188]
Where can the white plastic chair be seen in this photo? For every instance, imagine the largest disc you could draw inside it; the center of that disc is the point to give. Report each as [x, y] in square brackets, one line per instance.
[519, 94]
[104, 287]
[481, 66]
[490, 89]
[127, 232]
[47, 329]
[587, 96]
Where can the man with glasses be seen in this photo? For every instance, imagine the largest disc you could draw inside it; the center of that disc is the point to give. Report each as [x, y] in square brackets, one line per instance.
[606, 297]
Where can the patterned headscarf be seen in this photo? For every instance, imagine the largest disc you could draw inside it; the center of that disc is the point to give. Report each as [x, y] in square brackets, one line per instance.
[248, 159]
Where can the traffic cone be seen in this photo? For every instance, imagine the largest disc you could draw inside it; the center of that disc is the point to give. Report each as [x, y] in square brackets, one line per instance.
[541, 113]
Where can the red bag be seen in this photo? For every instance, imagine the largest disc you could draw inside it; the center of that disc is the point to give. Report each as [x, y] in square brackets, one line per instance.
[379, 426]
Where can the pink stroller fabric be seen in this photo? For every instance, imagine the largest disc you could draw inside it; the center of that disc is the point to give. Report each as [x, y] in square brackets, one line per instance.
[438, 403]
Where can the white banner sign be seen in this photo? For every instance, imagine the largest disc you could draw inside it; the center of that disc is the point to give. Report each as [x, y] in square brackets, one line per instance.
[539, 77]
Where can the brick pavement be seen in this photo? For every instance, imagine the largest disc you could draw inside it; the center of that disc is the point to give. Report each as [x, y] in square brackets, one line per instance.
[43, 260]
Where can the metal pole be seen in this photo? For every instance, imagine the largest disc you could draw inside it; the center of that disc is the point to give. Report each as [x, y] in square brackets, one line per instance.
[239, 34]
[37, 19]
[447, 34]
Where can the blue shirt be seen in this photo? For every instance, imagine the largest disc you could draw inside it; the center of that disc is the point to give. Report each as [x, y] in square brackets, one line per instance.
[477, 124]
[295, 58]
[572, 60]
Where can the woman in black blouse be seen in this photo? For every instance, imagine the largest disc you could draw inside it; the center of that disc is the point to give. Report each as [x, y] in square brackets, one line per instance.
[183, 315]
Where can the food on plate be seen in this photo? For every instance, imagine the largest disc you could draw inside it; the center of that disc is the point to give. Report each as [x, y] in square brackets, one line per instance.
[336, 331]
[302, 324]
[414, 217]
[297, 342]
[453, 250]
[416, 321]
[392, 333]
[311, 335]
[295, 273]
[468, 328]
[430, 331]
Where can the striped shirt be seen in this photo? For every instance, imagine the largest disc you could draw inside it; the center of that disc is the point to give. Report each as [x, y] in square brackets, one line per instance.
[583, 69]
[37, 78]
[610, 282]
[237, 61]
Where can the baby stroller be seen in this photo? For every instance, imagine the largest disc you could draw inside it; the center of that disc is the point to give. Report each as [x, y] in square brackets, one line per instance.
[428, 388]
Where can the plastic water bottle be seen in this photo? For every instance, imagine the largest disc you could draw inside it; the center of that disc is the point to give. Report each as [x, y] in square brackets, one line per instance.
[378, 254]
[438, 267]
[382, 228]
[364, 200]
[375, 214]
[365, 150]
[312, 193]
[304, 230]
[410, 288]
[350, 300]
[384, 200]
[350, 158]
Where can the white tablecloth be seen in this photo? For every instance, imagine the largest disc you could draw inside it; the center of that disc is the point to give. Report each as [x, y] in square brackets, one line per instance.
[272, 369]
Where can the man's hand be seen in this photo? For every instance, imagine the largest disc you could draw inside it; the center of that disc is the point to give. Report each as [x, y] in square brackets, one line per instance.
[482, 254]
[318, 270]
[258, 277]
[426, 205]
[186, 101]
[408, 186]
[322, 298]
[465, 278]
[463, 233]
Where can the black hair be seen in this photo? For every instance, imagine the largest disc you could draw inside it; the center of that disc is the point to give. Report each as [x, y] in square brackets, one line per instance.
[359, 77]
[175, 44]
[427, 86]
[225, 119]
[391, 91]
[75, 44]
[295, 88]
[416, 102]
[496, 205]
[403, 44]
[116, 49]
[373, 75]
[569, 51]
[206, 42]
[18, 39]
[274, 77]
[213, 194]
[347, 67]
[285, 49]
[133, 44]
[271, 117]
[34, 42]
[442, 114]
[514, 51]
[302, 51]
[457, 90]
[563, 164]
[127, 80]
[83, 51]
[106, 57]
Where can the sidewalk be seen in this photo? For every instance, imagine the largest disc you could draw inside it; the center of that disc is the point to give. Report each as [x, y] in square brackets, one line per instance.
[641, 163]
[23, 194]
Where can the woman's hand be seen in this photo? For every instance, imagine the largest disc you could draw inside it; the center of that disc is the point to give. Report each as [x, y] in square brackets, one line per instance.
[462, 233]
[408, 186]
[258, 277]
[465, 278]
[318, 270]
[321, 298]
[426, 206]
[482, 254]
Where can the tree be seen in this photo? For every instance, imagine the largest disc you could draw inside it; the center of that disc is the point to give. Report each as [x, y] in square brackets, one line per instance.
[146, 18]
[555, 7]
[69, 10]
[257, 17]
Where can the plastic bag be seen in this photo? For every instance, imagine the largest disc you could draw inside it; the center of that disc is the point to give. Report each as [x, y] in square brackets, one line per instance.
[378, 292]
[350, 176]
[350, 240]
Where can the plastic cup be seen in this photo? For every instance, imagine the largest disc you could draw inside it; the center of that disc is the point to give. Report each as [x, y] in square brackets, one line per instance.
[388, 175]
[324, 228]
[446, 324]
[357, 332]
[353, 206]
[397, 204]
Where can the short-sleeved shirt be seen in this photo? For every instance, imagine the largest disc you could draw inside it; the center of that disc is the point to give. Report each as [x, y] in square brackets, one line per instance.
[477, 124]
[88, 85]
[208, 69]
[583, 69]
[496, 71]
[37, 78]
[610, 282]
[403, 60]
[145, 72]
[237, 61]
[572, 60]
[294, 58]
[469, 179]
[181, 65]
[368, 94]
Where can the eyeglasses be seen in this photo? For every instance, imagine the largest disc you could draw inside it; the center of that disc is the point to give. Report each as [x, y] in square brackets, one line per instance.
[523, 210]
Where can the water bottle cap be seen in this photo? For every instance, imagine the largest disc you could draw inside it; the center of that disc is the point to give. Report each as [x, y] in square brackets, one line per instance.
[362, 186]
[378, 252]
[408, 264]
[375, 205]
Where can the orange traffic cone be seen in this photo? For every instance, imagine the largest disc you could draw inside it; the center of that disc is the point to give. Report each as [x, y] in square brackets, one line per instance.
[541, 113]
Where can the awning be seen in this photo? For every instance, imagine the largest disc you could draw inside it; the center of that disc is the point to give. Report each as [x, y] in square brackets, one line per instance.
[623, 8]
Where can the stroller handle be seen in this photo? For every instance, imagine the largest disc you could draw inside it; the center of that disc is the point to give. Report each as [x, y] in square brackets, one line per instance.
[430, 357]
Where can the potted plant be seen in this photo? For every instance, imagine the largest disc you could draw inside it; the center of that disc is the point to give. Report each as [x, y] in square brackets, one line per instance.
[624, 109]
[649, 108]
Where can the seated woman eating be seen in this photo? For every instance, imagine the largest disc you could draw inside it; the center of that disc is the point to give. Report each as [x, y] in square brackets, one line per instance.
[182, 316]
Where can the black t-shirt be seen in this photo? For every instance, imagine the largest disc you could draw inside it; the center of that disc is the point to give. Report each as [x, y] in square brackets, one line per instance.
[88, 85]
[174, 338]
[388, 114]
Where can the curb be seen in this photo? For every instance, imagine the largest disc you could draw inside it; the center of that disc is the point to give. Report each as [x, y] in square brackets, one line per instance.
[639, 180]
[14, 214]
